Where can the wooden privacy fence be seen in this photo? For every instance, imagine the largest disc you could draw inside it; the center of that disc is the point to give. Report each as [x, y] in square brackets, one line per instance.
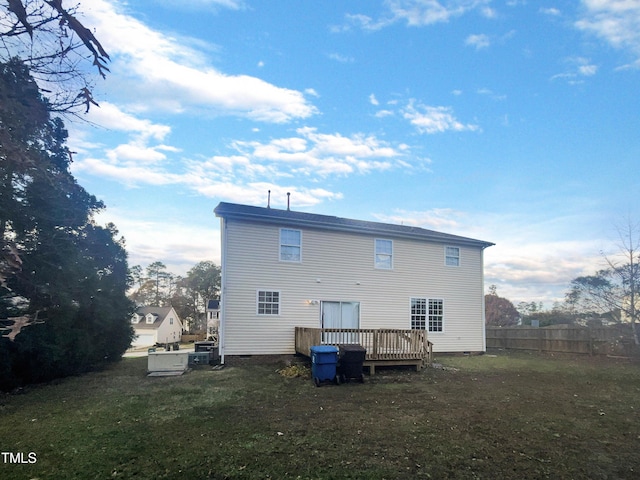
[197, 337]
[559, 338]
[384, 346]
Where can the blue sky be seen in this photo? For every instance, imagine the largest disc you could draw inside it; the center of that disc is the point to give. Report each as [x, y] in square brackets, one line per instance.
[515, 122]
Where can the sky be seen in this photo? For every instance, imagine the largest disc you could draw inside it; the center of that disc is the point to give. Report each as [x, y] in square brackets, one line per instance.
[511, 121]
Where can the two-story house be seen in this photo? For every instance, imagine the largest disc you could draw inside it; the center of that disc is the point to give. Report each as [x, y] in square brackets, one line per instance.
[283, 269]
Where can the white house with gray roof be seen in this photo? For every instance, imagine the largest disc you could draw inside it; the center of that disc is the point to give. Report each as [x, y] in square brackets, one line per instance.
[155, 325]
[283, 269]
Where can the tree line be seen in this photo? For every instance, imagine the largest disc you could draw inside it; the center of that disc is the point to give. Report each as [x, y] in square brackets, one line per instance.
[155, 286]
[609, 295]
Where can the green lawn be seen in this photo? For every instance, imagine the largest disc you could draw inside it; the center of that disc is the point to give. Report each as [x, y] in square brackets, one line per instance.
[503, 416]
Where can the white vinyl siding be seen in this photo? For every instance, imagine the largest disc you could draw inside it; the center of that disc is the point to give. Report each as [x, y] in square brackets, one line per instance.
[338, 267]
[384, 254]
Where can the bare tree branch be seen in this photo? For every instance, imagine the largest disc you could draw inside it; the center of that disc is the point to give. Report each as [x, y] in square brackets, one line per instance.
[53, 42]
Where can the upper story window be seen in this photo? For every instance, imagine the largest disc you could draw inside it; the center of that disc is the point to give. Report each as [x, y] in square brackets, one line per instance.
[268, 302]
[452, 256]
[150, 318]
[384, 254]
[135, 318]
[290, 245]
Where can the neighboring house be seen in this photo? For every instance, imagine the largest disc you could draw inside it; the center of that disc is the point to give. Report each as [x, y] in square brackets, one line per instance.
[282, 269]
[155, 325]
[213, 316]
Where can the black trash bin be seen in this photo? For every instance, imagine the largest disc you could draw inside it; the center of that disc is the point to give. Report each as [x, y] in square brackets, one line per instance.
[350, 362]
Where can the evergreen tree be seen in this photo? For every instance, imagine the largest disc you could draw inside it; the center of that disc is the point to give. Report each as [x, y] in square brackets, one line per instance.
[63, 279]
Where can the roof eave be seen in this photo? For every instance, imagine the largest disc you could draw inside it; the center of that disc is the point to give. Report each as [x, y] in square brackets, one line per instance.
[440, 238]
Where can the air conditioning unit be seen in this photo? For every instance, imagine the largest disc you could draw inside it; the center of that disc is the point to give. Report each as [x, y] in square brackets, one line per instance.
[199, 358]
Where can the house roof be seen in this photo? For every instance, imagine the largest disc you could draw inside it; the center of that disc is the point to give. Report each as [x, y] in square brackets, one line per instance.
[327, 222]
[159, 312]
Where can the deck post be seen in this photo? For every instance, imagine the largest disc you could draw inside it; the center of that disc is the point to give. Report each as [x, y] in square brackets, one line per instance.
[374, 354]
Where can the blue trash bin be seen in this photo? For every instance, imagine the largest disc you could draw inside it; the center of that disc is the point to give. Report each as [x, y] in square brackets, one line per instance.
[324, 359]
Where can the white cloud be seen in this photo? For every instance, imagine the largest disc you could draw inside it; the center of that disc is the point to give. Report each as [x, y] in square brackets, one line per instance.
[536, 269]
[373, 100]
[252, 164]
[479, 41]
[587, 70]
[167, 74]
[255, 193]
[126, 173]
[531, 260]
[417, 13]
[489, 12]
[365, 22]
[341, 58]
[428, 119]
[489, 93]
[384, 113]
[113, 117]
[138, 153]
[183, 245]
[427, 12]
[314, 153]
[551, 11]
[615, 21]
[579, 67]
[205, 4]
[440, 219]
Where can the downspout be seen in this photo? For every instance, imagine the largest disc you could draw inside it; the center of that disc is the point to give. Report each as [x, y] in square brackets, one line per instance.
[484, 319]
[223, 288]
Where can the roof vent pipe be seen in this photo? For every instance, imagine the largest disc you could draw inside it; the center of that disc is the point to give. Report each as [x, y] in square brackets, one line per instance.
[269, 199]
[288, 197]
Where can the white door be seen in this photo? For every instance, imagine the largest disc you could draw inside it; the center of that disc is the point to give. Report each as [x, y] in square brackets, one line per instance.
[340, 315]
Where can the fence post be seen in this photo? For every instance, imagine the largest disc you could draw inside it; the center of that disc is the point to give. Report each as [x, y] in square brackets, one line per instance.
[540, 332]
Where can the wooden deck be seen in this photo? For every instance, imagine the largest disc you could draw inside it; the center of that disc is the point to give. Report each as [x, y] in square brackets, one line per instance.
[385, 347]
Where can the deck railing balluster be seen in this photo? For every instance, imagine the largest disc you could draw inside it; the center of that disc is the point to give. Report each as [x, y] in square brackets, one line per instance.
[383, 345]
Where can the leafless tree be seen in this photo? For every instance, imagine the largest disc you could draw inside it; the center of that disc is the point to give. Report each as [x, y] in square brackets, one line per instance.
[56, 46]
[616, 287]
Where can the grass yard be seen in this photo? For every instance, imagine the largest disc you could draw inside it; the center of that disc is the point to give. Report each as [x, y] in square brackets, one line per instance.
[494, 416]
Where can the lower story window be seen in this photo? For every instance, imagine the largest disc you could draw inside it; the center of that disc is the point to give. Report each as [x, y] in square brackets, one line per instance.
[268, 302]
[427, 314]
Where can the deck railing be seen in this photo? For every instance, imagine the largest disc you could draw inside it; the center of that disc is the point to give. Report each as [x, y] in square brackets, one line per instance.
[381, 344]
